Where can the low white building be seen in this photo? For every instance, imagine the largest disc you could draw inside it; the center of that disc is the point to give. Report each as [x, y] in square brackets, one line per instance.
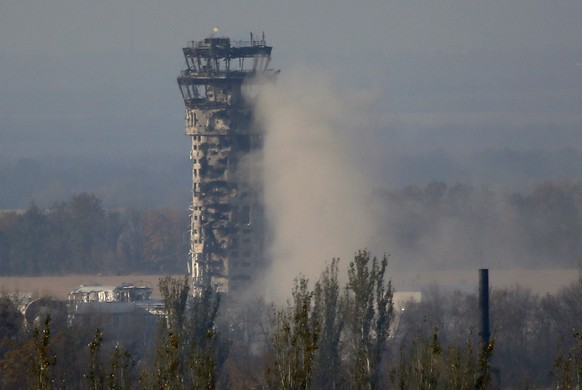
[122, 293]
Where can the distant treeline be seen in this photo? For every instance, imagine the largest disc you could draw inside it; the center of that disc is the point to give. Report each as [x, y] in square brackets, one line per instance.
[438, 225]
[123, 180]
[80, 236]
[463, 225]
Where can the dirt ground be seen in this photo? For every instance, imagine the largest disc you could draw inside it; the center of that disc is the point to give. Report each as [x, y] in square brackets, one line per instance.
[539, 281]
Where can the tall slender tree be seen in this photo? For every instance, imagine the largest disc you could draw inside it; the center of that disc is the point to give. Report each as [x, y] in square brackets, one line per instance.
[294, 335]
[328, 307]
[369, 304]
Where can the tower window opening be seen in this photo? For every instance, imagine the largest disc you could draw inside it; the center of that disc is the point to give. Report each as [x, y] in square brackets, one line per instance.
[245, 215]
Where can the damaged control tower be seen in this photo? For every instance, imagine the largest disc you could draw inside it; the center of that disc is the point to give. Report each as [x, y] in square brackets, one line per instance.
[226, 229]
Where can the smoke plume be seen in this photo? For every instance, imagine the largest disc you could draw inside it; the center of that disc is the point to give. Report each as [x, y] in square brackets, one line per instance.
[328, 172]
[315, 193]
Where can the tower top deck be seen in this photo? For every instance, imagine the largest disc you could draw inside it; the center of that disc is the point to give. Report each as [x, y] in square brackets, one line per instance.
[217, 68]
[223, 48]
[216, 58]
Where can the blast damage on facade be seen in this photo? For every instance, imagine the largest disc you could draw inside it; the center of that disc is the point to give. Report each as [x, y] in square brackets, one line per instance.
[227, 223]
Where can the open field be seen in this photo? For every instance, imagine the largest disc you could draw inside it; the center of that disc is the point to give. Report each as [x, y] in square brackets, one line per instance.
[539, 281]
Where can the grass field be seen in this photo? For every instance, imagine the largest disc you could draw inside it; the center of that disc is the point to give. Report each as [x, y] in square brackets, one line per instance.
[539, 281]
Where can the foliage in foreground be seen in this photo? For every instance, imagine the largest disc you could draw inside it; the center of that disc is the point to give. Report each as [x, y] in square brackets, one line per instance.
[327, 335]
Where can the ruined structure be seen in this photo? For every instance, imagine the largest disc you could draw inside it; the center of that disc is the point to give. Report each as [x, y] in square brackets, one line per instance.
[126, 292]
[226, 232]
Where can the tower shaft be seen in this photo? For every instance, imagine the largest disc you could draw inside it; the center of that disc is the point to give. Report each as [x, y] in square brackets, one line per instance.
[226, 228]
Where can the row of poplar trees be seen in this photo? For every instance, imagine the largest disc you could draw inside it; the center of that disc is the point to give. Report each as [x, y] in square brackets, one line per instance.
[328, 335]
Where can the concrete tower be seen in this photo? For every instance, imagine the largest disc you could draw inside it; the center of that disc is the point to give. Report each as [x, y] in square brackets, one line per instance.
[226, 229]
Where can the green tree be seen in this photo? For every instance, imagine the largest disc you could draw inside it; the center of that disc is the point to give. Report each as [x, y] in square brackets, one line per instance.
[328, 306]
[12, 350]
[190, 352]
[427, 364]
[44, 359]
[130, 240]
[30, 242]
[206, 350]
[120, 376]
[163, 235]
[87, 231]
[294, 335]
[95, 379]
[567, 368]
[175, 295]
[169, 362]
[11, 319]
[369, 304]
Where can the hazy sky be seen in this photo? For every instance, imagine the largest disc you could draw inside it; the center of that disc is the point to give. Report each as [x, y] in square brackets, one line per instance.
[97, 78]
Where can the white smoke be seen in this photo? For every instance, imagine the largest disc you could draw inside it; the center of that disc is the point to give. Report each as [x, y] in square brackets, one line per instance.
[315, 193]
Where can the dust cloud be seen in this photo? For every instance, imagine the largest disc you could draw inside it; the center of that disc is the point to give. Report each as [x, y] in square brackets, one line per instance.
[330, 159]
[315, 192]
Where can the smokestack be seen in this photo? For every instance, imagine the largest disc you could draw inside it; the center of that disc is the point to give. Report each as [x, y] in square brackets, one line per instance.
[484, 305]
